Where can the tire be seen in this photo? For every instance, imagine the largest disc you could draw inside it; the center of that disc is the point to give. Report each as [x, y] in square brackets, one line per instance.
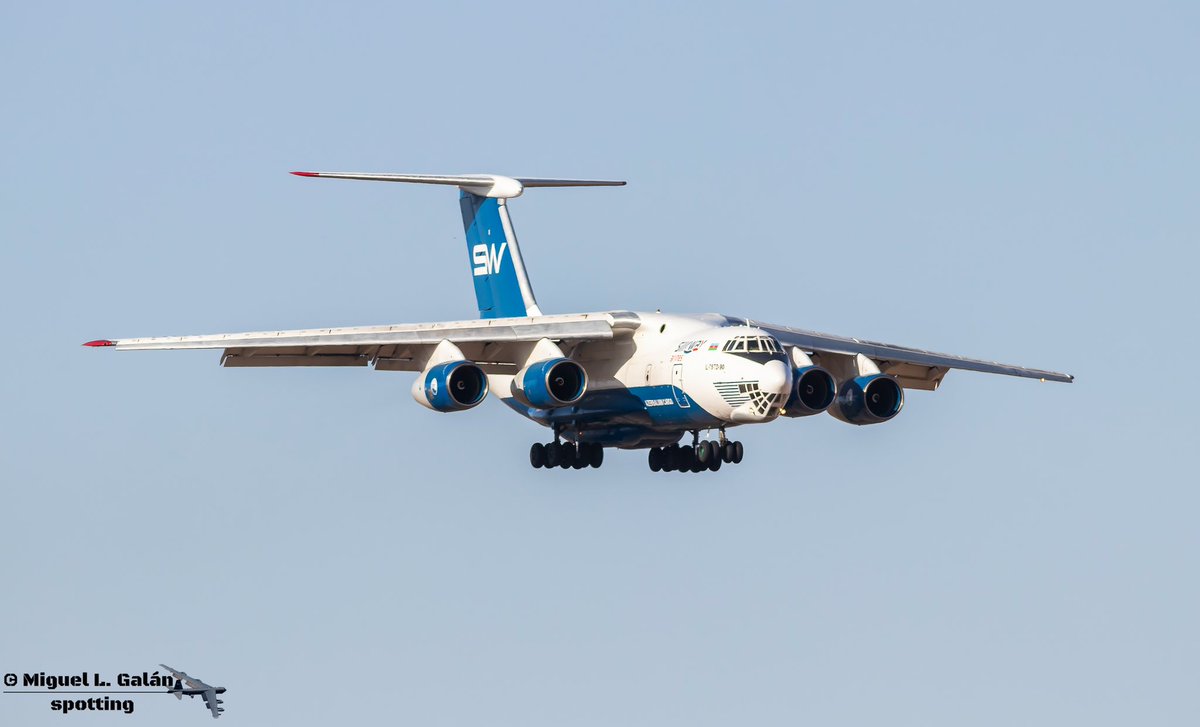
[737, 452]
[654, 459]
[727, 451]
[553, 455]
[714, 464]
[537, 455]
[703, 453]
[670, 458]
[576, 457]
[596, 457]
[686, 458]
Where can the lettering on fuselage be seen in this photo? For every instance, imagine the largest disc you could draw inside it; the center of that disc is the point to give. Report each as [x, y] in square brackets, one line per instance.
[689, 346]
[487, 259]
[659, 402]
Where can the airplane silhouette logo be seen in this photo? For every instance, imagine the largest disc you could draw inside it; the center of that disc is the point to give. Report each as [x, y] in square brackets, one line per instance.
[194, 687]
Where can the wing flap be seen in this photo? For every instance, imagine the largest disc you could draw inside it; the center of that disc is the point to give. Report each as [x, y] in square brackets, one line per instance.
[234, 358]
[913, 376]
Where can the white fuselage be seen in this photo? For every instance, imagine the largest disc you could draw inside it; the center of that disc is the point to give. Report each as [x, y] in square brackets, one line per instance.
[673, 374]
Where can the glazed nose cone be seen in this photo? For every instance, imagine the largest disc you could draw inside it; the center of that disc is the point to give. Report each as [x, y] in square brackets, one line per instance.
[775, 378]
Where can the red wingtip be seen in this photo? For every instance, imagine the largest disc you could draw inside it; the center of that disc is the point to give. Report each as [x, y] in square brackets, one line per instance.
[100, 342]
[306, 174]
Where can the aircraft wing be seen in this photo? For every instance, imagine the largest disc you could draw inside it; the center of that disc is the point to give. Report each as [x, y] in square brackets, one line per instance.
[211, 701]
[191, 681]
[912, 367]
[390, 348]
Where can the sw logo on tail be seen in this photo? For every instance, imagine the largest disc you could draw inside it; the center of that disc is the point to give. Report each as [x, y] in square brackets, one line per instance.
[602, 380]
[488, 259]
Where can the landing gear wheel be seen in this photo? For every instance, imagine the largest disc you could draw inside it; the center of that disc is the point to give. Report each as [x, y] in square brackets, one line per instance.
[596, 455]
[579, 456]
[727, 451]
[703, 453]
[670, 458]
[553, 455]
[537, 455]
[655, 459]
[715, 463]
[685, 459]
[737, 452]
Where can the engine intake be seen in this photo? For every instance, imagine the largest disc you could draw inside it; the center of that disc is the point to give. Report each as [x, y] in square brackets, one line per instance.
[551, 383]
[451, 386]
[870, 399]
[813, 390]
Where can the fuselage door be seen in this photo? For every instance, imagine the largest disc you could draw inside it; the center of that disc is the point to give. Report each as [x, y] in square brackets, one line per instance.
[677, 386]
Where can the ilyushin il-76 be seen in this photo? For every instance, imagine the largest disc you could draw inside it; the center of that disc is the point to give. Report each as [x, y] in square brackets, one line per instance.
[617, 379]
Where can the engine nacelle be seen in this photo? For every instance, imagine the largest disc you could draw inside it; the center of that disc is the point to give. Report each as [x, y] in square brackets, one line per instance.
[451, 386]
[870, 399]
[813, 390]
[551, 383]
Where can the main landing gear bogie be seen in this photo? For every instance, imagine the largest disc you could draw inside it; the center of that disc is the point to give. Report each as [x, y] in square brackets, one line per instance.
[566, 455]
[702, 456]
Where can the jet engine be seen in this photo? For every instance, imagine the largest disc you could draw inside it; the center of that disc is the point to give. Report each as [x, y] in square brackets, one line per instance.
[551, 383]
[813, 390]
[451, 386]
[870, 399]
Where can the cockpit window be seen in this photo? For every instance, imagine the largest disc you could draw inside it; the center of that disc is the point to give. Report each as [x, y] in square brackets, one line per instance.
[746, 344]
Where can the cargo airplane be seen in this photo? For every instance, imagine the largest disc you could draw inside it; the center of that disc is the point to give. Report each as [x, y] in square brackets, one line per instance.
[615, 379]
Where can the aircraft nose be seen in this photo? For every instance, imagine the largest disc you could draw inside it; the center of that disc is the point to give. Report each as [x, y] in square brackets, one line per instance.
[774, 378]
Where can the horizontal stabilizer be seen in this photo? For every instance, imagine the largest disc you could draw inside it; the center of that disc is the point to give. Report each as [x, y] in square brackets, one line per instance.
[483, 185]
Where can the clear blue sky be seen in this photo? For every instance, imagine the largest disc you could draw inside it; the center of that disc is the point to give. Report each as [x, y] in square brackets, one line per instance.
[1017, 183]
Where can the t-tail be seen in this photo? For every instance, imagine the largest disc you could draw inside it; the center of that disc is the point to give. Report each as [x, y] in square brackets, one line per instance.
[502, 287]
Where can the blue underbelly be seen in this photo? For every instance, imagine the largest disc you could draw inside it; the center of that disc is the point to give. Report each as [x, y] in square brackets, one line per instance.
[661, 408]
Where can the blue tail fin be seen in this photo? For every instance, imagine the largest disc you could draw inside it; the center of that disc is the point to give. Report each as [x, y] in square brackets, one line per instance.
[501, 286]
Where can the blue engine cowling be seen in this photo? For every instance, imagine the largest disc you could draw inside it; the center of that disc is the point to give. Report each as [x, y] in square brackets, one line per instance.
[813, 390]
[551, 383]
[452, 386]
[870, 399]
